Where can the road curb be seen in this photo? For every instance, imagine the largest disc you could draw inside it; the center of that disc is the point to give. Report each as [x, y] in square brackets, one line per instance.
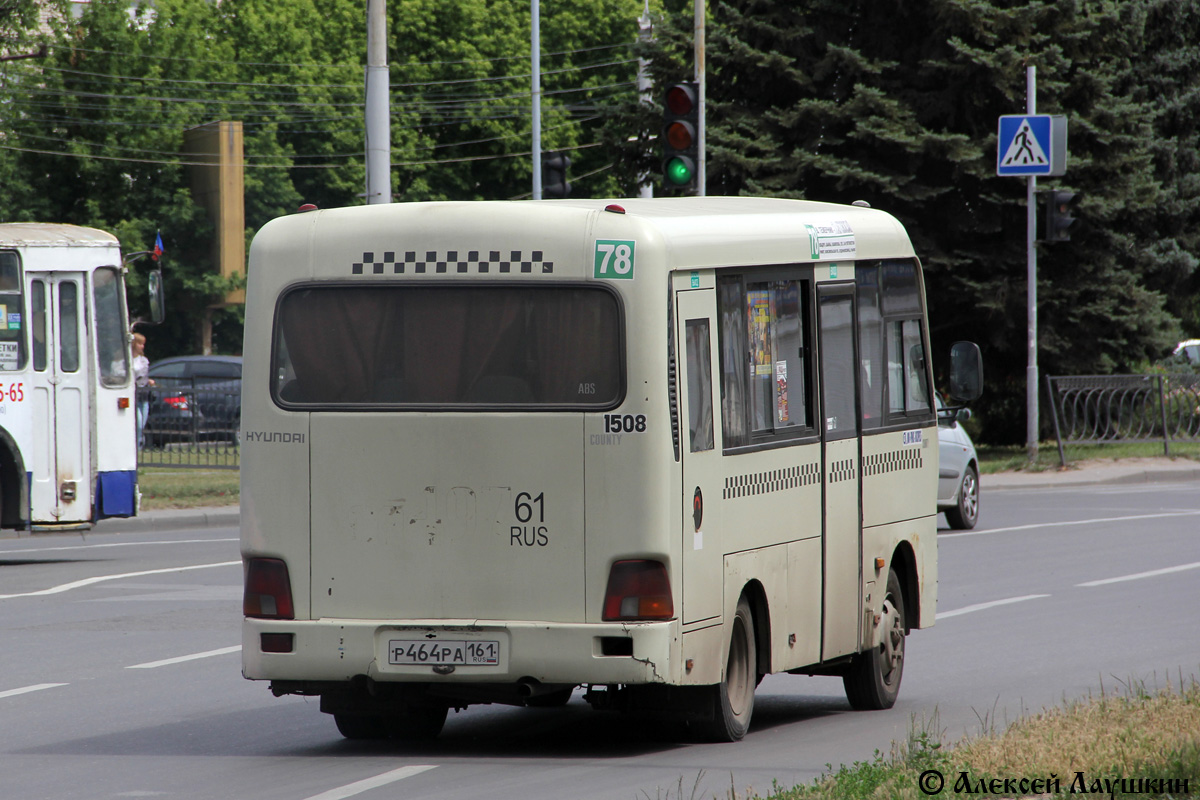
[173, 519]
[1112, 476]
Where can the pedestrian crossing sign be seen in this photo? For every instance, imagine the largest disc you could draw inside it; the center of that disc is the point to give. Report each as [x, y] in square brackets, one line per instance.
[1032, 144]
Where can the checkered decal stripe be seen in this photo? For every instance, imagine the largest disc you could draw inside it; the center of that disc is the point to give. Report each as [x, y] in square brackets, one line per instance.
[477, 262]
[893, 461]
[775, 480]
[842, 471]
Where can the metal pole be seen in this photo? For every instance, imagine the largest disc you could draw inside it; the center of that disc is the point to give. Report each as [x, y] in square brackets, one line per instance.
[701, 176]
[379, 139]
[1031, 371]
[535, 46]
[644, 84]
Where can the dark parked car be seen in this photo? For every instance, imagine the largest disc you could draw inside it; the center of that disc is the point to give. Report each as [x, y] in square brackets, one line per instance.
[194, 398]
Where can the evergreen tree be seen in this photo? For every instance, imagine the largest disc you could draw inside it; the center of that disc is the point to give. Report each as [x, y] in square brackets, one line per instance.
[897, 104]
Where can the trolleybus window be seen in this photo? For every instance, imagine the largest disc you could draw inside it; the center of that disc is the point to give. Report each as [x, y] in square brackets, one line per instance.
[469, 346]
[68, 326]
[12, 340]
[38, 309]
[111, 344]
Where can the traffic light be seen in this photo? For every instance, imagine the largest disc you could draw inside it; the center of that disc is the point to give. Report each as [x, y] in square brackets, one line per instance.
[1058, 216]
[554, 175]
[681, 120]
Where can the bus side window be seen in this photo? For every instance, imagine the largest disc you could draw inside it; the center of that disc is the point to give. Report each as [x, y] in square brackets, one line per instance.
[699, 383]
[38, 308]
[907, 384]
[68, 326]
[907, 389]
[112, 345]
[731, 336]
[12, 327]
[870, 344]
[763, 335]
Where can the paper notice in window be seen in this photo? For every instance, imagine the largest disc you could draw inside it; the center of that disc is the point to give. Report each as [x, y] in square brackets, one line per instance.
[781, 390]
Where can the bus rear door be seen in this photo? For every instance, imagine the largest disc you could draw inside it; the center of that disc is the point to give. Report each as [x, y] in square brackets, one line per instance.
[702, 545]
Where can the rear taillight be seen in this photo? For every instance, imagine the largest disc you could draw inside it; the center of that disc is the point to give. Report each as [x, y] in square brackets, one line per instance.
[638, 590]
[176, 401]
[268, 593]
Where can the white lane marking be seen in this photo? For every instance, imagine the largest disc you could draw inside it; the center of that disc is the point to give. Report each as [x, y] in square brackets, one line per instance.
[1069, 523]
[27, 689]
[358, 787]
[66, 587]
[108, 544]
[982, 606]
[1154, 573]
[180, 659]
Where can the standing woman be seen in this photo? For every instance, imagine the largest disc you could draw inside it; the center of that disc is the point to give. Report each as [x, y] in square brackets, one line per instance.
[142, 379]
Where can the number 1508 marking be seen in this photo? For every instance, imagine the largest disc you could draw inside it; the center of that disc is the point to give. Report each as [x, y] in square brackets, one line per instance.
[624, 423]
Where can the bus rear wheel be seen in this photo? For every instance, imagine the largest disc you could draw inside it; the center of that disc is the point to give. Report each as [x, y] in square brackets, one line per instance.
[873, 680]
[361, 726]
[412, 724]
[733, 697]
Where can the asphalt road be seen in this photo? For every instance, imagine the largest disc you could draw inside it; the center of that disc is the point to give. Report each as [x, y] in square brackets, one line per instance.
[119, 670]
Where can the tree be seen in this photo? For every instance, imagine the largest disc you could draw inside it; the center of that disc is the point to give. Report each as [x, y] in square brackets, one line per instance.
[95, 131]
[897, 104]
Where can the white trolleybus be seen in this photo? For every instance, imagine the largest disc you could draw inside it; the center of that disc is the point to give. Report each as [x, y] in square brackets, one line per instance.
[67, 418]
[496, 451]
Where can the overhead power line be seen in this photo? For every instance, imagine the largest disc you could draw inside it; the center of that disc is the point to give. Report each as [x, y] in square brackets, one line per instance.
[394, 64]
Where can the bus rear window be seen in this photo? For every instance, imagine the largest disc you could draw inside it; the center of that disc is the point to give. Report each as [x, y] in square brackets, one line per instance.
[471, 347]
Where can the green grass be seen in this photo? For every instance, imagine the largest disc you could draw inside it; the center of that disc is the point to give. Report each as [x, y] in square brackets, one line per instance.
[1014, 457]
[165, 487]
[1135, 733]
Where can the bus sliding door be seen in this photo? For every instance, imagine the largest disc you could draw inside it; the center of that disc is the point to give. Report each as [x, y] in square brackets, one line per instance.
[842, 538]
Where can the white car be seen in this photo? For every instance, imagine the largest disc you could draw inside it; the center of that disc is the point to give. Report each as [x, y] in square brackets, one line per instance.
[958, 470]
[1189, 349]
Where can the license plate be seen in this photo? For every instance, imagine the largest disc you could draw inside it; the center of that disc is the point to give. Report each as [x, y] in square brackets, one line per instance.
[473, 653]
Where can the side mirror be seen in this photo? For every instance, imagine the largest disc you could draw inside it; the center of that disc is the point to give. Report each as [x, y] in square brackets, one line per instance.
[966, 372]
[155, 291]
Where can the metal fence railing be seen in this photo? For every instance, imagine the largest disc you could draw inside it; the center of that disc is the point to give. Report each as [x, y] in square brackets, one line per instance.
[189, 423]
[1100, 409]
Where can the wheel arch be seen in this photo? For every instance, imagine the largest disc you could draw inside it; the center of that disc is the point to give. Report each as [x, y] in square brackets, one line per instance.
[760, 611]
[904, 562]
[14, 483]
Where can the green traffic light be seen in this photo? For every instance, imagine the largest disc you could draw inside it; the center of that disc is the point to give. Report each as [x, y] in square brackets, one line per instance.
[679, 171]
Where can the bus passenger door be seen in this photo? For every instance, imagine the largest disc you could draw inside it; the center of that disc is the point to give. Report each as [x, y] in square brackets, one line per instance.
[703, 554]
[61, 490]
[842, 536]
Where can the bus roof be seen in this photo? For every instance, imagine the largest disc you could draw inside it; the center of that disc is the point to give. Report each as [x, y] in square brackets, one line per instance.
[691, 232]
[53, 234]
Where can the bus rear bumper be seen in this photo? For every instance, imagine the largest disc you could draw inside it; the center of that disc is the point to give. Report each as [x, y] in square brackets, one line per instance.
[392, 651]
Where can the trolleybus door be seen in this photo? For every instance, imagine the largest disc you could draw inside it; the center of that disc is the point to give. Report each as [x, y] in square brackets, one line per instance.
[702, 545]
[61, 489]
[839, 432]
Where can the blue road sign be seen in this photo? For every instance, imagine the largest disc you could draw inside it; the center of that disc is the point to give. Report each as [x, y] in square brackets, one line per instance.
[1025, 146]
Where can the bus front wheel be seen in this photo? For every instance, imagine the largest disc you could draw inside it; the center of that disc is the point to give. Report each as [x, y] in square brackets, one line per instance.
[873, 680]
[733, 697]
